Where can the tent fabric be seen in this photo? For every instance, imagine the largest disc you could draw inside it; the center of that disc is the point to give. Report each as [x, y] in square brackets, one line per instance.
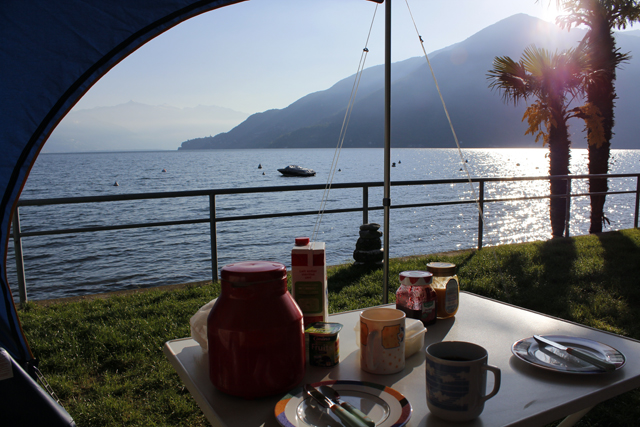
[52, 52]
[19, 393]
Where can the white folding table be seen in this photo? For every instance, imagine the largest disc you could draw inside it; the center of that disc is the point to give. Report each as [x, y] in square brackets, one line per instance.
[528, 396]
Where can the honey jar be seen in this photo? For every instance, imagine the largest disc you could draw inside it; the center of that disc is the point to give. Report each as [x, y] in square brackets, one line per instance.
[445, 283]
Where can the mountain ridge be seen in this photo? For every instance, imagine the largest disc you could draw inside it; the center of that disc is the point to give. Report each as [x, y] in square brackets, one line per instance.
[144, 126]
[480, 118]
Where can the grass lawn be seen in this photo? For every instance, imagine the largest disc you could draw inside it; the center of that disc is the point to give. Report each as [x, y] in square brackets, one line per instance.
[103, 357]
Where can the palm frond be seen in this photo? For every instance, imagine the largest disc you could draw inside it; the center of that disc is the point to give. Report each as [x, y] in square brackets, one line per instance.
[593, 123]
[510, 78]
[537, 115]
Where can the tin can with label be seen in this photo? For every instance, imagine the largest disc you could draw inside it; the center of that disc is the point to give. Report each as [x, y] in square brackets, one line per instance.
[323, 344]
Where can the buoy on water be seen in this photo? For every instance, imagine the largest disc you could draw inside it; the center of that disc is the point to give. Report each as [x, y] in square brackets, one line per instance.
[393, 165]
[260, 166]
[164, 170]
[115, 184]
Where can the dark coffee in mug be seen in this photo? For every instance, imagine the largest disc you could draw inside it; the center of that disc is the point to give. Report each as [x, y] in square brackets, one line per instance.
[457, 358]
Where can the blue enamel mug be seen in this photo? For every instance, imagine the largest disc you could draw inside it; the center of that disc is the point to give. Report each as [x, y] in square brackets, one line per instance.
[456, 373]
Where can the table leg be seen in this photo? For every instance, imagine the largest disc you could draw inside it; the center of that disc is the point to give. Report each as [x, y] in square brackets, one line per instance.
[574, 418]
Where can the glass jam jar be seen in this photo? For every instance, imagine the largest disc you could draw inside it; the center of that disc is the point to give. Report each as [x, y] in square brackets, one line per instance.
[416, 297]
[445, 283]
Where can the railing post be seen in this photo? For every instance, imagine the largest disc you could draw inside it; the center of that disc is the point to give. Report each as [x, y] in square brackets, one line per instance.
[365, 204]
[635, 220]
[17, 245]
[480, 212]
[567, 216]
[214, 237]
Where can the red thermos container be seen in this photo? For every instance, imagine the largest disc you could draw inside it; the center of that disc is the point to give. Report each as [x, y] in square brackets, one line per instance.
[255, 332]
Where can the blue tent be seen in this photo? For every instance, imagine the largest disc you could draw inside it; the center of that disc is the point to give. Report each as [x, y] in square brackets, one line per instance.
[51, 53]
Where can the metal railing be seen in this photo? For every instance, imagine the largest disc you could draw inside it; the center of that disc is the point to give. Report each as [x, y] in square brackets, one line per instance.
[213, 219]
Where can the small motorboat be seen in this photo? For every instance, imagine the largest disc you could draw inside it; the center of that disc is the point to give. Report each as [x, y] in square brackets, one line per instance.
[295, 170]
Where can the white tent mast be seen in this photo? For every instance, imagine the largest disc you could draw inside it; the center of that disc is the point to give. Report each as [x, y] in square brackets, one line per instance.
[386, 201]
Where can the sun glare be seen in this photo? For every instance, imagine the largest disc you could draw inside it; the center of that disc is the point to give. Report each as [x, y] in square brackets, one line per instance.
[549, 10]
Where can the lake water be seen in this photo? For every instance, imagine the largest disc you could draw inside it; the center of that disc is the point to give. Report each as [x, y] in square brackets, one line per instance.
[85, 263]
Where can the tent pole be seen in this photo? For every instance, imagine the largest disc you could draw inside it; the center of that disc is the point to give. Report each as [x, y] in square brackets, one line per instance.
[386, 201]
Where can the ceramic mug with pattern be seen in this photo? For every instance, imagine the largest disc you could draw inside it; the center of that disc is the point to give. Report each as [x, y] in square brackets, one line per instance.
[456, 374]
[382, 334]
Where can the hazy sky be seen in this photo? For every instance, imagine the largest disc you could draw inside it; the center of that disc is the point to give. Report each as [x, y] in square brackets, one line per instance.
[264, 54]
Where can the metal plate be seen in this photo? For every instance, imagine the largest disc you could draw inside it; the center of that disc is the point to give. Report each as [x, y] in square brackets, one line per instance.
[550, 358]
[384, 405]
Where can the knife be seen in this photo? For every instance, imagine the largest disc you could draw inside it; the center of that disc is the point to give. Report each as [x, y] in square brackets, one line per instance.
[335, 397]
[347, 418]
[582, 355]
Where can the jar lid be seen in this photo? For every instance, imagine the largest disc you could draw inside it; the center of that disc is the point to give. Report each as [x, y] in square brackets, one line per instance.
[442, 268]
[302, 241]
[253, 272]
[415, 278]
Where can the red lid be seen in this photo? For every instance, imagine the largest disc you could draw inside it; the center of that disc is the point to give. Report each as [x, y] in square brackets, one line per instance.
[302, 241]
[250, 272]
[417, 278]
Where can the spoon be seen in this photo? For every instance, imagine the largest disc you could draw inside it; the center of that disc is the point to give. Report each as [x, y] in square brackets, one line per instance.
[332, 394]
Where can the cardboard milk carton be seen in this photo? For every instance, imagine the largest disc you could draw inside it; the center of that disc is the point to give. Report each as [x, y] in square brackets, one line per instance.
[309, 280]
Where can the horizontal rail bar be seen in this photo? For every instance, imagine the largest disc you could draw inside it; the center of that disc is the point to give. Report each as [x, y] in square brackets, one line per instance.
[181, 222]
[287, 214]
[213, 219]
[288, 188]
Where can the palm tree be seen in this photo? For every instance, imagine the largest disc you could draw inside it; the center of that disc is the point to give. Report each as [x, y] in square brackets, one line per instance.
[601, 17]
[554, 80]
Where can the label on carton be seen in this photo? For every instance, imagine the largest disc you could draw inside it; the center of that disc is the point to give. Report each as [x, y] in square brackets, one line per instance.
[309, 281]
[310, 296]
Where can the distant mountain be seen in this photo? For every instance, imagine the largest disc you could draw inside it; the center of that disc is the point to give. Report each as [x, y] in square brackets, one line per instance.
[479, 116]
[260, 129]
[142, 126]
[635, 33]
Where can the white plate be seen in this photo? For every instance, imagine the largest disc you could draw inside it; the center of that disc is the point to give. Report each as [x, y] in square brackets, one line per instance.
[547, 357]
[384, 405]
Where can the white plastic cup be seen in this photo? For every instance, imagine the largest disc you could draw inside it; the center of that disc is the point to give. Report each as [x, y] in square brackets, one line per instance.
[382, 340]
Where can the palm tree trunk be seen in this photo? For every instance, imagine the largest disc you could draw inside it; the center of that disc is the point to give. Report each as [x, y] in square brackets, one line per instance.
[598, 164]
[558, 165]
[602, 95]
